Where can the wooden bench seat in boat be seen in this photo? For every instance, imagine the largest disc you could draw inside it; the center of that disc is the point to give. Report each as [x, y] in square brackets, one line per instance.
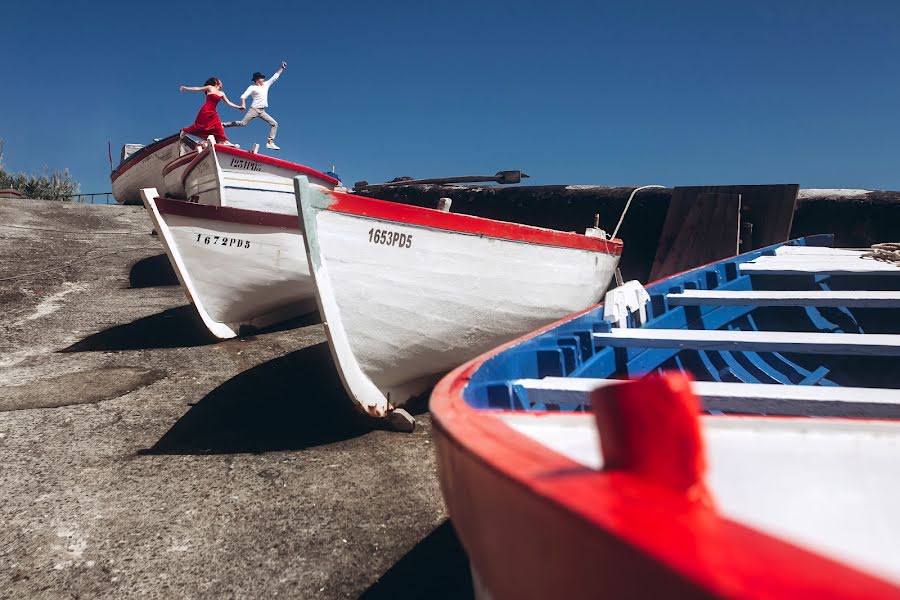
[852, 298]
[773, 399]
[851, 344]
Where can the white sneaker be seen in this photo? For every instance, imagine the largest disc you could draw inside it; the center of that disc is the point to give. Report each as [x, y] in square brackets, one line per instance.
[272, 146]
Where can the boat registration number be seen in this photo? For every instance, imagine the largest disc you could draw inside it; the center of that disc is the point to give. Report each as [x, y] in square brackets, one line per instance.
[221, 240]
[390, 238]
[243, 163]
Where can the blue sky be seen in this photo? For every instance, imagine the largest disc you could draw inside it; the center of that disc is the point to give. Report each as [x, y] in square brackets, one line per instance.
[610, 93]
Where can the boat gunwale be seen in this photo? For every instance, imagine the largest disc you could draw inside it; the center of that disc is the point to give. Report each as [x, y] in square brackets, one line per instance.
[431, 218]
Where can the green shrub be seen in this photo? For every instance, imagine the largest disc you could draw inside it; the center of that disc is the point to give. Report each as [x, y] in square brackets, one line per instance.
[47, 186]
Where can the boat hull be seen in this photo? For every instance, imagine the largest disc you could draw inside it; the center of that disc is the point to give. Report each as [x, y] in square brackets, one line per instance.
[225, 176]
[558, 486]
[407, 293]
[144, 169]
[240, 269]
[173, 176]
[237, 249]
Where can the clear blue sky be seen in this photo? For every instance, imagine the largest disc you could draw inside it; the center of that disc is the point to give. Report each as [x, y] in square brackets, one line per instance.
[612, 93]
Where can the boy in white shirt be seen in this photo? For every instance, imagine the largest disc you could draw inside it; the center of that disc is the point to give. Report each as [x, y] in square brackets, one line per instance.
[260, 92]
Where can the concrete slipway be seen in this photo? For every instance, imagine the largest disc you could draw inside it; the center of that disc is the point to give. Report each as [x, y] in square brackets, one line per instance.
[139, 458]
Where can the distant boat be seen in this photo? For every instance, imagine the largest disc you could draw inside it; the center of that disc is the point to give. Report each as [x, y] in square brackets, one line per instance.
[407, 293]
[236, 243]
[142, 166]
[564, 481]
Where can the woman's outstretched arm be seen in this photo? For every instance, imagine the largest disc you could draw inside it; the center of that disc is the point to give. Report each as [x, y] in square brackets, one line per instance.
[230, 103]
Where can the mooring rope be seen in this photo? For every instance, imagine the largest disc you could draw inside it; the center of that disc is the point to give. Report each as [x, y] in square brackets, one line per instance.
[627, 204]
[888, 252]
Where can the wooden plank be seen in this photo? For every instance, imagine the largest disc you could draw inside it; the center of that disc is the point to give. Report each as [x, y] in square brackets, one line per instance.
[770, 399]
[795, 265]
[856, 344]
[768, 208]
[854, 298]
[700, 228]
[817, 250]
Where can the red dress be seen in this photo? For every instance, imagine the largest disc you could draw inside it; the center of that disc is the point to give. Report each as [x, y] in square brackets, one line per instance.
[207, 122]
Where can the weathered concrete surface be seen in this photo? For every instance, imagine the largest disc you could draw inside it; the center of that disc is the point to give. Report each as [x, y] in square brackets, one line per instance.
[138, 458]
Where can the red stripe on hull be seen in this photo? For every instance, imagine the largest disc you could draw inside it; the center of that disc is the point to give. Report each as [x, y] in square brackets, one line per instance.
[436, 219]
[181, 160]
[142, 154]
[227, 214]
[277, 162]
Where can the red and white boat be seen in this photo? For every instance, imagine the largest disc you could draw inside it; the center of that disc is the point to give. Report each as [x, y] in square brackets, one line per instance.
[236, 244]
[773, 476]
[407, 293]
[143, 168]
[228, 176]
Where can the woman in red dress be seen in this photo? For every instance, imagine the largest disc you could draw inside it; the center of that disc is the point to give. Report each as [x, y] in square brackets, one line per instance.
[207, 122]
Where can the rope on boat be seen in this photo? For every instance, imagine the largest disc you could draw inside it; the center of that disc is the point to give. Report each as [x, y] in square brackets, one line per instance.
[627, 204]
[888, 252]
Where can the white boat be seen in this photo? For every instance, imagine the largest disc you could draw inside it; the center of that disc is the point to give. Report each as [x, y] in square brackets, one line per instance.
[236, 244]
[407, 293]
[142, 166]
[227, 176]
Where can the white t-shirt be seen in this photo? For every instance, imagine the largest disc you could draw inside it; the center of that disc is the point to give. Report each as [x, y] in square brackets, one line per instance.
[260, 93]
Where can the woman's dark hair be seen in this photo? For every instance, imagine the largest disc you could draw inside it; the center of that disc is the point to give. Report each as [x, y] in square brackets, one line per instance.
[212, 81]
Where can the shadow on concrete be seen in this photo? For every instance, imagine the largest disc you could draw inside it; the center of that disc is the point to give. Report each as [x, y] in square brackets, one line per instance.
[179, 327]
[437, 567]
[153, 271]
[288, 403]
[313, 318]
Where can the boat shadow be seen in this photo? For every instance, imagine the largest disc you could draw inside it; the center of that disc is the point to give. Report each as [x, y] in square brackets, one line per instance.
[289, 403]
[153, 271]
[179, 327]
[437, 567]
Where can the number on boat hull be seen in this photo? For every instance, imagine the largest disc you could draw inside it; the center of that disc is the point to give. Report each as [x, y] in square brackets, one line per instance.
[390, 238]
[221, 240]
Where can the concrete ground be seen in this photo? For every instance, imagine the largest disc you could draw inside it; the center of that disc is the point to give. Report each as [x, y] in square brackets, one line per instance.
[140, 458]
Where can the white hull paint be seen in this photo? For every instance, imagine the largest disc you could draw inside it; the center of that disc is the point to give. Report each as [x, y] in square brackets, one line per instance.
[139, 172]
[253, 271]
[224, 177]
[401, 314]
[236, 274]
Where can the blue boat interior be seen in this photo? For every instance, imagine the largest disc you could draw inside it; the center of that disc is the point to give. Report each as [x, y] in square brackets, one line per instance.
[572, 349]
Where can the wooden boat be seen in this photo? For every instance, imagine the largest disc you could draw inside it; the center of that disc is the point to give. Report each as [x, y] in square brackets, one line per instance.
[228, 176]
[773, 474]
[236, 245]
[143, 168]
[173, 176]
[406, 293]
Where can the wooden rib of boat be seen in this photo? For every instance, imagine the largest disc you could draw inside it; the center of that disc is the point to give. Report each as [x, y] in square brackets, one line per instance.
[755, 455]
[236, 245]
[144, 168]
[406, 293]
